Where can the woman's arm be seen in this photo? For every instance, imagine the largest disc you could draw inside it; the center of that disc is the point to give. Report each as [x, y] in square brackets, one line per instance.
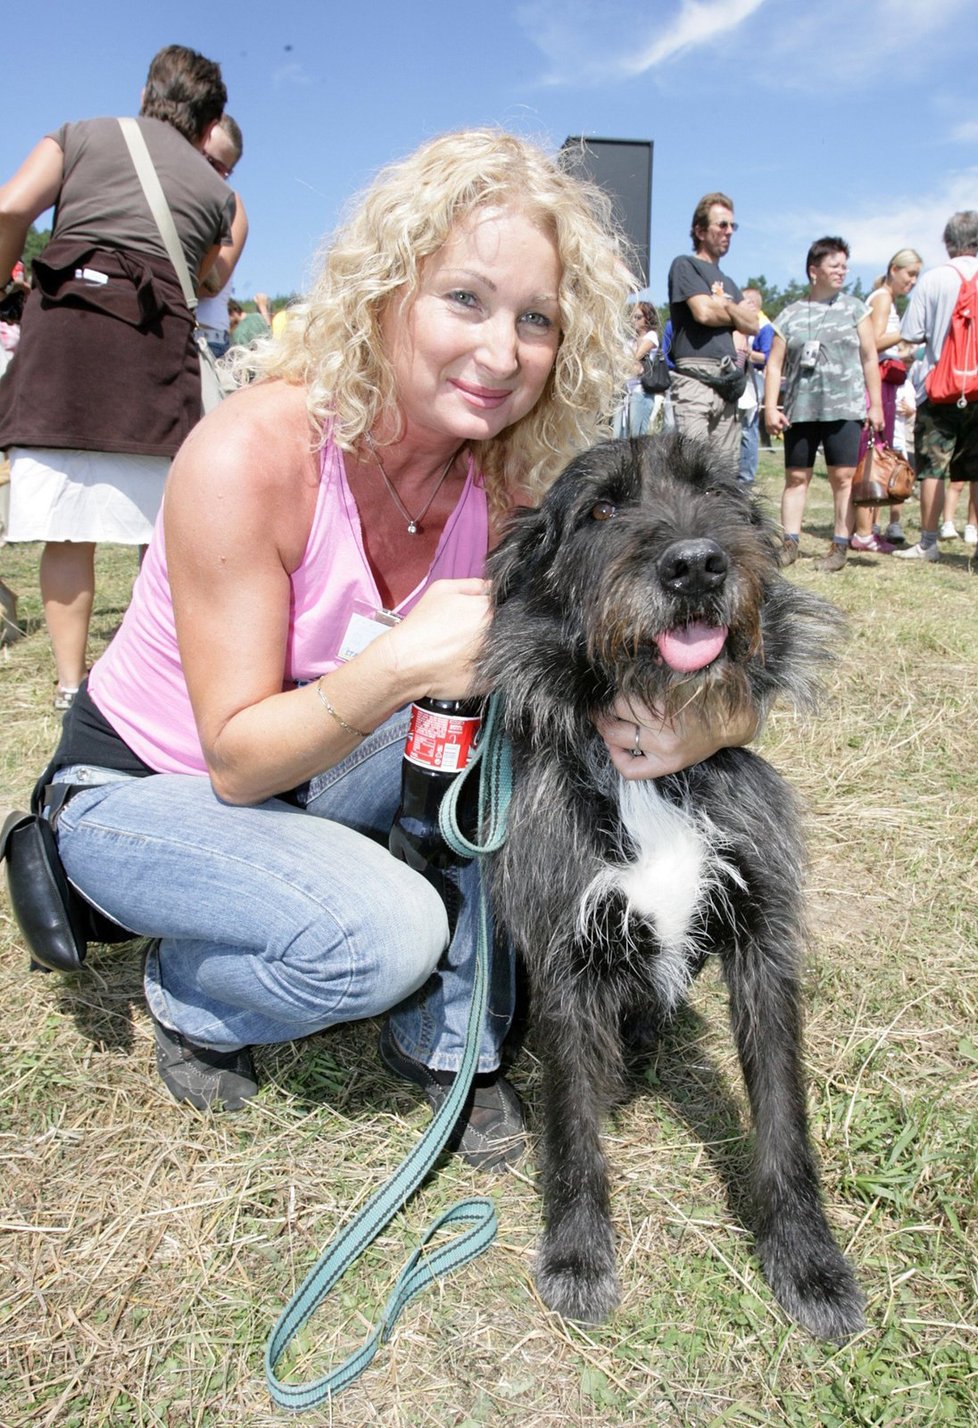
[774, 418]
[33, 188]
[871, 371]
[219, 262]
[238, 509]
[881, 310]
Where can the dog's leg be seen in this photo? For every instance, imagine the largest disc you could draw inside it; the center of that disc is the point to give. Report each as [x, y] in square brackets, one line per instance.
[575, 1268]
[800, 1259]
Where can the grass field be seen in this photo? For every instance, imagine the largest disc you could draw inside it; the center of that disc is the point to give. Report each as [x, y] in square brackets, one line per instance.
[146, 1249]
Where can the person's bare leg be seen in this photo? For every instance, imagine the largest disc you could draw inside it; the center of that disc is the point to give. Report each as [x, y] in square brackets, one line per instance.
[793, 498]
[931, 503]
[840, 479]
[68, 592]
[952, 494]
[866, 517]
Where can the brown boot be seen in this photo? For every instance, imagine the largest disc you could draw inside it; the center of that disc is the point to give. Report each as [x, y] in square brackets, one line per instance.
[836, 558]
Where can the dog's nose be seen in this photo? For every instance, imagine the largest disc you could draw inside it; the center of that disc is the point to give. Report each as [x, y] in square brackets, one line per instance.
[692, 567]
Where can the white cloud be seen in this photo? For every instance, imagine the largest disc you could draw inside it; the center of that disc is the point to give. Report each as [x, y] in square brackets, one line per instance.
[966, 133]
[699, 22]
[841, 46]
[875, 233]
[601, 41]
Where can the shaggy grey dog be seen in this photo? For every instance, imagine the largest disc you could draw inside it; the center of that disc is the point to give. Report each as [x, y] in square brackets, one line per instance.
[646, 573]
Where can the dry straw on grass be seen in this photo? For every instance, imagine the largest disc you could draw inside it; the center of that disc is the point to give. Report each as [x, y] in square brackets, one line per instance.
[146, 1249]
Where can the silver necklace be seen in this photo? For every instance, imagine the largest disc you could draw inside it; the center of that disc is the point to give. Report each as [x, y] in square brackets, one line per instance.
[413, 522]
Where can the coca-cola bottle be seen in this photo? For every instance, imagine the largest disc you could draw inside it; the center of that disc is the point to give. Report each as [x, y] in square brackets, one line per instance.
[440, 741]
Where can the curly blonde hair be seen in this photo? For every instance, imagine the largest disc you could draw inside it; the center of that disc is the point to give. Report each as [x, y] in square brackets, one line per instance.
[332, 342]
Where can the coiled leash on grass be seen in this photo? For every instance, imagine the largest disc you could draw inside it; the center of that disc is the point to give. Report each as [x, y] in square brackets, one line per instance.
[478, 1212]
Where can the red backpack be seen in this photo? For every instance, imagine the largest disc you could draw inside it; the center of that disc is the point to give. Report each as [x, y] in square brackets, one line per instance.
[955, 377]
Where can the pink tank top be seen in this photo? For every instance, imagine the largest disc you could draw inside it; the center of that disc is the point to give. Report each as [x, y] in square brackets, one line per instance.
[138, 683]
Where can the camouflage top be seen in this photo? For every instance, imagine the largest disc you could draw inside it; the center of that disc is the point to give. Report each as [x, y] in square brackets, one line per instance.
[832, 390]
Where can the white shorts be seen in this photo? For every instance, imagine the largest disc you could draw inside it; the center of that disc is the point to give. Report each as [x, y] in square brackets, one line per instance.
[84, 495]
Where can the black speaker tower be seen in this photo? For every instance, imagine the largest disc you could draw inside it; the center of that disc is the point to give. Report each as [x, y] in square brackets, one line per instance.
[623, 168]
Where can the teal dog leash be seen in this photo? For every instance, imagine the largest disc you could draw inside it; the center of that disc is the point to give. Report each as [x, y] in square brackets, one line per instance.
[477, 1212]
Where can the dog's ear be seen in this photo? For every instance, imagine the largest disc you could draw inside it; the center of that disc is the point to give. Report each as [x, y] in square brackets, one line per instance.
[802, 634]
[531, 539]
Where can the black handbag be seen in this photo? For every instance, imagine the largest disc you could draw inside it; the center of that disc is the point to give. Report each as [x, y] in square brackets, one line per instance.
[54, 919]
[654, 376]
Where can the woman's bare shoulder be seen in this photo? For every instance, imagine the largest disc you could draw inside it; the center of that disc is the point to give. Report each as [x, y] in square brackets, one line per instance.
[259, 436]
[250, 468]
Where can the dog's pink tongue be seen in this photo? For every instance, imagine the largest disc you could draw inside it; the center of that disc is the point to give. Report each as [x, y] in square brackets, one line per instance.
[690, 647]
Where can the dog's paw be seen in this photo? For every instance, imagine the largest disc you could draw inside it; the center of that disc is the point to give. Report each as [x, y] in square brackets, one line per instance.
[577, 1287]
[815, 1286]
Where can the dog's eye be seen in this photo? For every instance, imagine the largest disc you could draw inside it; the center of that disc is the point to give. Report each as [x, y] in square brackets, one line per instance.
[603, 511]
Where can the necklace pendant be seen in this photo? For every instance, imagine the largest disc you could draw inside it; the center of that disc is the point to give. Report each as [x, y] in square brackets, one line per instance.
[412, 528]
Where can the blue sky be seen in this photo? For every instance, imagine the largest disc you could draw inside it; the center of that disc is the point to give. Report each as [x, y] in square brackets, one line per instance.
[851, 116]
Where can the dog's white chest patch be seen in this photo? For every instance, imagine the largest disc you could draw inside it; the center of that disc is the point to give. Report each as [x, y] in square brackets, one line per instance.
[665, 881]
[674, 863]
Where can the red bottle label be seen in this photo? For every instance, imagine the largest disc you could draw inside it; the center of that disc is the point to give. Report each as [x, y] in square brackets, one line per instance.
[441, 741]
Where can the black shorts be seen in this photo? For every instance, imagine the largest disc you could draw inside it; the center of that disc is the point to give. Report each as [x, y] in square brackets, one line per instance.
[839, 441]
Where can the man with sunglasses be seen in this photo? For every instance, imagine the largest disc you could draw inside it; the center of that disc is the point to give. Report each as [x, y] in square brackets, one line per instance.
[707, 307]
[222, 150]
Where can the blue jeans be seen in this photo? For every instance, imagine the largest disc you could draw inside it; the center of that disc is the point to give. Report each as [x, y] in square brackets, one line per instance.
[749, 444]
[275, 921]
[635, 413]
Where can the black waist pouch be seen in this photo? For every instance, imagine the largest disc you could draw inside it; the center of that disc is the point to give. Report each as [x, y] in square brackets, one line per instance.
[54, 919]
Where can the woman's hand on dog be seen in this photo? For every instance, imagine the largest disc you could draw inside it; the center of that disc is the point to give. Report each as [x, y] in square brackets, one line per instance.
[644, 743]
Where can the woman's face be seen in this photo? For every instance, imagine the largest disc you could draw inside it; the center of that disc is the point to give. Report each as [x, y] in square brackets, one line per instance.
[828, 275]
[472, 351]
[902, 280]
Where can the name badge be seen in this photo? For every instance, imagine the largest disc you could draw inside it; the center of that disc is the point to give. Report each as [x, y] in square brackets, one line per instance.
[365, 625]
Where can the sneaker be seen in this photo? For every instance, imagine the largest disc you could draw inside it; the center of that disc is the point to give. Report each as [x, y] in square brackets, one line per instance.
[201, 1076]
[489, 1131]
[874, 542]
[917, 552]
[789, 551]
[894, 534]
[836, 558]
[949, 531]
[971, 535]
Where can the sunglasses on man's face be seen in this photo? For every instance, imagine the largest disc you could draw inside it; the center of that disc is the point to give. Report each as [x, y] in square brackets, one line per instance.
[725, 223]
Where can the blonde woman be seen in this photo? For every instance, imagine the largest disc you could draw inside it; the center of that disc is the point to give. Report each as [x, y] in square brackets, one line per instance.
[895, 355]
[463, 338]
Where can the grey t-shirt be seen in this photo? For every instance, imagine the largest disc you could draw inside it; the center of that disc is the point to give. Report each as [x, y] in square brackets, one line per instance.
[102, 201]
[834, 388]
[928, 314]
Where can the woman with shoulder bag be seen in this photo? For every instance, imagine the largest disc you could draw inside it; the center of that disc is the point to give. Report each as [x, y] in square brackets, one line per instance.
[634, 417]
[105, 383]
[902, 272]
